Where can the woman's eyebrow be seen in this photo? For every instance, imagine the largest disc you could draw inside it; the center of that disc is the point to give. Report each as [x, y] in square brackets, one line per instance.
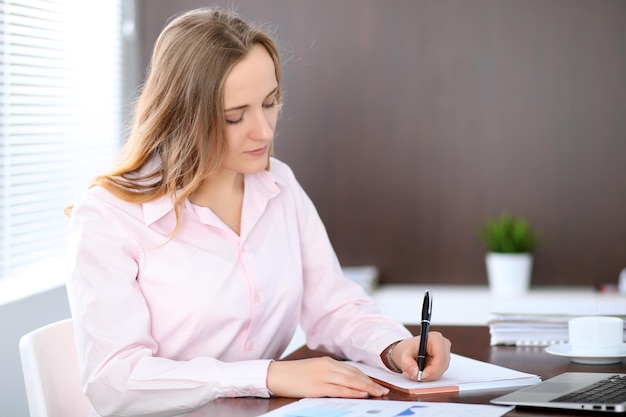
[272, 92]
[247, 105]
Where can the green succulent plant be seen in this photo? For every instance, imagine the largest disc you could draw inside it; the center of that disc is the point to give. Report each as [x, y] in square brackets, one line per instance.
[508, 234]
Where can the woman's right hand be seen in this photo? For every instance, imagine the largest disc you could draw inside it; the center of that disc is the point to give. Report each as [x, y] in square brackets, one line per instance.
[320, 377]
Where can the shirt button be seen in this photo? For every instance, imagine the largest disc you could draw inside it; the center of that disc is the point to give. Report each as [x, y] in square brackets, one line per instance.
[249, 346]
[257, 297]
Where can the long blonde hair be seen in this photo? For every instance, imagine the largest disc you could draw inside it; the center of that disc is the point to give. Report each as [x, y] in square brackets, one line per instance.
[179, 116]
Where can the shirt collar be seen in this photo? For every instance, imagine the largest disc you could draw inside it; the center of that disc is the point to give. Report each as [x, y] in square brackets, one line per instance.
[265, 182]
[156, 209]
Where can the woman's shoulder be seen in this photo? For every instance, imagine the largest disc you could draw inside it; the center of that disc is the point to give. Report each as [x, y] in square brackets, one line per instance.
[98, 198]
[96, 193]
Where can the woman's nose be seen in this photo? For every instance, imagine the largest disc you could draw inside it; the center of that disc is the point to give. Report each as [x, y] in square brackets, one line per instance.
[262, 126]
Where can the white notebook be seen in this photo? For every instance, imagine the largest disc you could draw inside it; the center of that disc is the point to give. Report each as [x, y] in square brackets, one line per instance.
[464, 374]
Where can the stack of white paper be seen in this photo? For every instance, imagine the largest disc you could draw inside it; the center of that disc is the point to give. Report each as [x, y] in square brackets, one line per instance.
[533, 323]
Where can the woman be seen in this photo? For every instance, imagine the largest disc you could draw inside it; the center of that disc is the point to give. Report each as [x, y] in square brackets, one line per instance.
[195, 258]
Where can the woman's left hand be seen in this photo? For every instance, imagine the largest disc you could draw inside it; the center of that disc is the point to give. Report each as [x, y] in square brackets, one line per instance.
[404, 355]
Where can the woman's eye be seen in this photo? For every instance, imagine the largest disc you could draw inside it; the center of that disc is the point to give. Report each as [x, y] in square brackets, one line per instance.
[270, 104]
[234, 121]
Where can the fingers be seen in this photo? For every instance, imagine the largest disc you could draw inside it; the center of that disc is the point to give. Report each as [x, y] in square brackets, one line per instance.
[437, 356]
[342, 380]
[320, 377]
[349, 379]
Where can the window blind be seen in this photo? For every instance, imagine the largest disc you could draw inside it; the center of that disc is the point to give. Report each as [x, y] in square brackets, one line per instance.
[60, 117]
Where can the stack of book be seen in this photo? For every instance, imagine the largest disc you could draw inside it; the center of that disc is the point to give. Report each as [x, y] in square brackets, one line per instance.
[542, 323]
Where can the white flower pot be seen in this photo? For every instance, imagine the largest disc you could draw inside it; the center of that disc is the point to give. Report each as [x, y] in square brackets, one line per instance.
[509, 273]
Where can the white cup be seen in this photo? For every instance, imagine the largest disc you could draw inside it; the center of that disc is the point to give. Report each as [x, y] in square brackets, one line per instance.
[596, 335]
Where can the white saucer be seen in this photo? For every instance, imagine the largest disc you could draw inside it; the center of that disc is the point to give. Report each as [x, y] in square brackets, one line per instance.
[564, 349]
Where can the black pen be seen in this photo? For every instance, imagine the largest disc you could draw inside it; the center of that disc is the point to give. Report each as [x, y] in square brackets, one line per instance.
[427, 309]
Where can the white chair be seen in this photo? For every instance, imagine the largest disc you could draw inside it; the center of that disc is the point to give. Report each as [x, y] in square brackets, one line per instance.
[50, 370]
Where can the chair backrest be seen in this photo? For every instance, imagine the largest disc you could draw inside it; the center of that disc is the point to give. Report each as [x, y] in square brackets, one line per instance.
[50, 369]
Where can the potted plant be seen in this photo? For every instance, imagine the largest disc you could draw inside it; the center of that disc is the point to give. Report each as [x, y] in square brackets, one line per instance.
[510, 242]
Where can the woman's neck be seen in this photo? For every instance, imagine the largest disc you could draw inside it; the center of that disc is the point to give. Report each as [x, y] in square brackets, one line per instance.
[223, 194]
[223, 185]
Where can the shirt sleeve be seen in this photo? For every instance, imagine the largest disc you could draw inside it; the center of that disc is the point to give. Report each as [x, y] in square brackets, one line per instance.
[120, 369]
[337, 314]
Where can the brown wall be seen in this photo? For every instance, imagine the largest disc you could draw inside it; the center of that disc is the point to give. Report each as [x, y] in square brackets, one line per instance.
[409, 122]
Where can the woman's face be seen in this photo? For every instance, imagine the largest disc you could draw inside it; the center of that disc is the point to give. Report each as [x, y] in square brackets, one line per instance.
[250, 110]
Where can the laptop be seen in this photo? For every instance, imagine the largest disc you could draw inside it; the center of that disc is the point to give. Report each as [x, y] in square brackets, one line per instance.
[590, 391]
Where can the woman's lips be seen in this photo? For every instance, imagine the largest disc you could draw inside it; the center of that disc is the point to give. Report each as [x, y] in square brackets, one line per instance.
[258, 152]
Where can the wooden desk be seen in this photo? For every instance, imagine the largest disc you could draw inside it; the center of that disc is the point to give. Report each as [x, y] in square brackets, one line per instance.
[471, 341]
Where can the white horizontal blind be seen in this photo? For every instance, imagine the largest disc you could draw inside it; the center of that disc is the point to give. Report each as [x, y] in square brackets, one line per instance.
[60, 117]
